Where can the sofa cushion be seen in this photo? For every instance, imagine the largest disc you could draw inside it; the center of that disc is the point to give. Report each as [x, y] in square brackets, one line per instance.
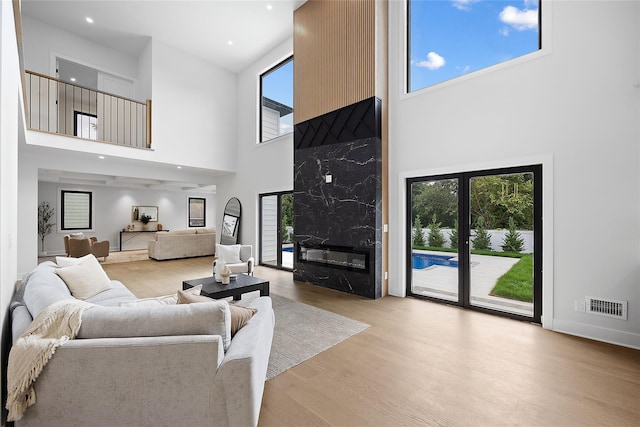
[43, 287]
[239, 315]
[229, 253]
[85, 279]
[161, 300]
[174, 232]
[64, 261]
[145, 321]
[113, 296]
[205, 230]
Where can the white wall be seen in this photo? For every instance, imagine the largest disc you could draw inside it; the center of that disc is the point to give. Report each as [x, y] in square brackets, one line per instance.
[574, 108]
[262, 168]
[145, 82]
[112, 207]
[194, 110]
[11, 133]
[43, 42]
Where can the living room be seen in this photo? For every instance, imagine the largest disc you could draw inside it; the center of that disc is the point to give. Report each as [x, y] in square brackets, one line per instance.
[573, 111]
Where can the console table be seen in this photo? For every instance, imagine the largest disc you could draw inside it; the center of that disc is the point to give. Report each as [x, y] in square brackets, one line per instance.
[138, 235]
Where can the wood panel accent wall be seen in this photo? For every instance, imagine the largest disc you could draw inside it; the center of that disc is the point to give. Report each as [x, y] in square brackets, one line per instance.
[335, 55]
[340, 58]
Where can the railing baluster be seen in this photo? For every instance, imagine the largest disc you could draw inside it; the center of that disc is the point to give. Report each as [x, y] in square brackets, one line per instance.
[117, 120]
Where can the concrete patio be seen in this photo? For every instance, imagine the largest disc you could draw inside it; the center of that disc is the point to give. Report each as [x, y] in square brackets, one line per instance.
[442, 282]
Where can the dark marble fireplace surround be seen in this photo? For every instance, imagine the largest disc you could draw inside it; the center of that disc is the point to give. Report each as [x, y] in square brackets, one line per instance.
[338, 199]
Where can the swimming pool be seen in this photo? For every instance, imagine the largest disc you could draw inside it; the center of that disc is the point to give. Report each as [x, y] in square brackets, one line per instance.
[422, 261]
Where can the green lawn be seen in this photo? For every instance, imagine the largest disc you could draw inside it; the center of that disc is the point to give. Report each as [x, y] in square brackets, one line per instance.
[517, 283]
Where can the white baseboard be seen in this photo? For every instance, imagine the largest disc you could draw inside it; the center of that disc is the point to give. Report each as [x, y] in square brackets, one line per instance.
[611, 336]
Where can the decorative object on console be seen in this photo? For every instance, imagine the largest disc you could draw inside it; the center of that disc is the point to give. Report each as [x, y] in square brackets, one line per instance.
[144, 219]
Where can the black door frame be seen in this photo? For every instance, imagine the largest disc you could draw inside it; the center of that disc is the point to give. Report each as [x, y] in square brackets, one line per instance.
[279, 195]
[464, 233]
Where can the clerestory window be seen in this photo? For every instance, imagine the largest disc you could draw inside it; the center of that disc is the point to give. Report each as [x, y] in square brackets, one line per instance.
[276, 101]
[448, 39]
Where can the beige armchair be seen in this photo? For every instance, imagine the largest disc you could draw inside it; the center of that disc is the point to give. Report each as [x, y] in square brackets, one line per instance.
[238, 258]
[80, 246]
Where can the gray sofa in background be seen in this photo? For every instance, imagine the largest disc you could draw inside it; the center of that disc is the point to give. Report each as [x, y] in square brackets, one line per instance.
[146, 365]
[188, 243]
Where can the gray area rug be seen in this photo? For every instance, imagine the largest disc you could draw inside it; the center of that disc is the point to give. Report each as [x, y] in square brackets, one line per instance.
[302, 331]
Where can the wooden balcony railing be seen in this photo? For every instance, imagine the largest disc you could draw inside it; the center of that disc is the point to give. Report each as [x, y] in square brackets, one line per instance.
[62, 108]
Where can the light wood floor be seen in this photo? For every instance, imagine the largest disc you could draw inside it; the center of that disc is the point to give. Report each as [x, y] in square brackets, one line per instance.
[422, 363]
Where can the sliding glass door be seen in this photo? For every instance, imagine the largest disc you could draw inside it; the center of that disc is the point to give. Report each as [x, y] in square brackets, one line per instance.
[476, 240]
[276, 230]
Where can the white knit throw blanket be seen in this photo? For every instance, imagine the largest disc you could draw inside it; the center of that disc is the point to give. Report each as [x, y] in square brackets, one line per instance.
[51, 328]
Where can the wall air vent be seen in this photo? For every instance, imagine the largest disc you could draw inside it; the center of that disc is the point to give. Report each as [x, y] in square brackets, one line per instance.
[607, 307]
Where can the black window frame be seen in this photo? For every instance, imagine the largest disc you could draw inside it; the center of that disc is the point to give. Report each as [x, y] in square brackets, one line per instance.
[75, 123]
[266, 73]
[63, 205]
[407, 36]
[204, 212]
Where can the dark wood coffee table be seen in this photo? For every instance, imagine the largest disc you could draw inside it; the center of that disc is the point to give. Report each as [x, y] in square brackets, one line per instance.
[242, 284]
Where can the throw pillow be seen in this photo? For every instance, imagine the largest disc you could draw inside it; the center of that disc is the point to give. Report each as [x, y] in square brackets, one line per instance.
[162, 300]
[239, 315]
[63, 261]
[229, 253]
[85, 279]
[76, 236]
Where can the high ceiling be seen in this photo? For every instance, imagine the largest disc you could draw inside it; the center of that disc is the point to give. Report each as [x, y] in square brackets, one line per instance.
[202, 28]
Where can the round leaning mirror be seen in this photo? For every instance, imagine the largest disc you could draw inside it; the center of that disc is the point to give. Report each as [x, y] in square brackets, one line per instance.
[230, 222]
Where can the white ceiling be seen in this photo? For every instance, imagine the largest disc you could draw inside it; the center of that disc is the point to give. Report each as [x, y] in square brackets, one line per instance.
[202, 28]
[76, 178]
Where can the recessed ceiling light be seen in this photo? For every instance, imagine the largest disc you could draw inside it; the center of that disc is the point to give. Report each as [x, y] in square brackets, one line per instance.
[179, 167]
[89, 20]
[73, 79]
[230, 42]
[269, 7]
[101, 157]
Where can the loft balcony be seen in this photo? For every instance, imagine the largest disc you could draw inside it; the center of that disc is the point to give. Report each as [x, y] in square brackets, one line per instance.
[62, 108]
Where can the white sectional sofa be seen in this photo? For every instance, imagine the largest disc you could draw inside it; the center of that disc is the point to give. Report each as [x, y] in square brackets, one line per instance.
[146, 365]
[188, 243]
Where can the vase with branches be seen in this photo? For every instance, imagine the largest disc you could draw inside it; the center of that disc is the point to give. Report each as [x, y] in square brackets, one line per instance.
[45, 213]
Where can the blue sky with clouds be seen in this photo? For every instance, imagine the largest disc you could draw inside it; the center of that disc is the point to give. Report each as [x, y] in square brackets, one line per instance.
[278, 84]
[449, 38]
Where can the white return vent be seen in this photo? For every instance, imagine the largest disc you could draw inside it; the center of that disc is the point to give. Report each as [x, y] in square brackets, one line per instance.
[607, 307]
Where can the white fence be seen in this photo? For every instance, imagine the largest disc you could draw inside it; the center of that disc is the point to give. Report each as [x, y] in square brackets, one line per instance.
[497, 237]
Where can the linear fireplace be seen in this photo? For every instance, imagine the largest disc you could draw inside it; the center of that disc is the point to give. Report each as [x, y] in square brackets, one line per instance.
[348, 258]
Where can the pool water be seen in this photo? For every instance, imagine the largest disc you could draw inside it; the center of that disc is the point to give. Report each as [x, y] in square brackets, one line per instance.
[422, 261]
